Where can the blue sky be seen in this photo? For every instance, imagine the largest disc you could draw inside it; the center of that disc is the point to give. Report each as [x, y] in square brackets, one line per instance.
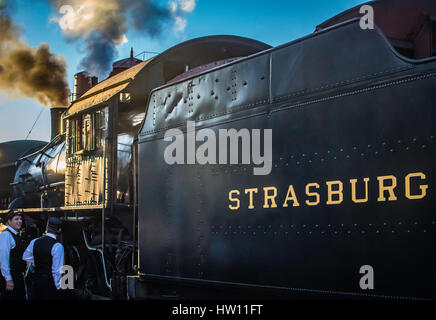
[274, 22]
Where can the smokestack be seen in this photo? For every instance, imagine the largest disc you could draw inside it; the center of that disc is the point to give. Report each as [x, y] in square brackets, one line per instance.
[82, 83]
[56, 121]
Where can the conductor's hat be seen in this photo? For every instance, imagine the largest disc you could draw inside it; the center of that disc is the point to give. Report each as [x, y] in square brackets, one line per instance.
[12, 213]
[54, 223]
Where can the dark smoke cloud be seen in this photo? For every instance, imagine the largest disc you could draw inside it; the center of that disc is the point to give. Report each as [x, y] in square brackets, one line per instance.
[9, 32]
[100, 53]
[30, 72]
[149, 17]
[103, 24]
[2, 5]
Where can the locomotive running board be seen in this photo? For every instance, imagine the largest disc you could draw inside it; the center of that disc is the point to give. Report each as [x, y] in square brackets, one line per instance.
[56, 209]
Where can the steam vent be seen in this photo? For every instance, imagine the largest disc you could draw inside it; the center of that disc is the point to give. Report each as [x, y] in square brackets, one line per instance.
[121, 65]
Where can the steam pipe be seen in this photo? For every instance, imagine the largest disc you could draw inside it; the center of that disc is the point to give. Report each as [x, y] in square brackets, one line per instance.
[46, 147]
[102, 258]
[135, 197]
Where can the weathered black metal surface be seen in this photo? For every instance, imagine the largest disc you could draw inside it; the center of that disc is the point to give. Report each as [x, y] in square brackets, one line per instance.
[10, 152]
[406, 23]
[342, 105]
[39, 174]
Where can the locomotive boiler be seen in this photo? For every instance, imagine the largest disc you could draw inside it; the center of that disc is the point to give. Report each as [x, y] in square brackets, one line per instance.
[351, 175]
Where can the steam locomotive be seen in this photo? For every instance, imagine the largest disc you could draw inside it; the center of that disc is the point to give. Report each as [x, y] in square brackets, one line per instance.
[352, 115]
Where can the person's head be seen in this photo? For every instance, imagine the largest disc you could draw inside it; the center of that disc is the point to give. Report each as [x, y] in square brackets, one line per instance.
[54, 225]
[15, 220]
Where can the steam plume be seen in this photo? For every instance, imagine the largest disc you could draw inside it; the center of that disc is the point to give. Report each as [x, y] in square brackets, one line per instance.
[30, 72]
[103, 24]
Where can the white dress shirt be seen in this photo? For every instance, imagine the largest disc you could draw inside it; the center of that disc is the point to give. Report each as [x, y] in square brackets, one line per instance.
[7, 243]
[57, 253]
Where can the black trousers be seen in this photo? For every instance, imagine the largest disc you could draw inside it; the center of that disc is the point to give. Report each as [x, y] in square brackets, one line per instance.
[19, 292]
[43, 288]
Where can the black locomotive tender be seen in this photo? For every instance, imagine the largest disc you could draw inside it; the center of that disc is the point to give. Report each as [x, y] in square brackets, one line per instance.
[353, 120]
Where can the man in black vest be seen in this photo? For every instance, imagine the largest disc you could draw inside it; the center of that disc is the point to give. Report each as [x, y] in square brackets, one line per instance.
[47, 255]
[12, 266]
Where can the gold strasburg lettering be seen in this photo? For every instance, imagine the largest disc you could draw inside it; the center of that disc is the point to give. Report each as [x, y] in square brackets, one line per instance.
[236, 207]
[312, 194]
[422, 187]
[250, 191]
[353, 190]
[334, 192]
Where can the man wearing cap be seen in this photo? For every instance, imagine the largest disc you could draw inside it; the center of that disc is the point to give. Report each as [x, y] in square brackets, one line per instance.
[47, 255]
[12, 266]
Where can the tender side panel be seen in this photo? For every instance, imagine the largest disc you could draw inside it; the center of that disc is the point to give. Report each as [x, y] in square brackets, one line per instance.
[372, 124]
